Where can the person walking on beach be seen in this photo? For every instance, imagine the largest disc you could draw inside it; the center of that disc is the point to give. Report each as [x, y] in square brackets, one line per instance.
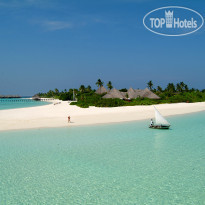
[151, 123]
[68, 119]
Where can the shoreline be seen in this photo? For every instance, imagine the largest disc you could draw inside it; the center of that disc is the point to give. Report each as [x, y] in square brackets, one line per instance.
[55, 116]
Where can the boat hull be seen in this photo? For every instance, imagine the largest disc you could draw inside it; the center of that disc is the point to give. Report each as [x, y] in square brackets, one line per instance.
[164, 127]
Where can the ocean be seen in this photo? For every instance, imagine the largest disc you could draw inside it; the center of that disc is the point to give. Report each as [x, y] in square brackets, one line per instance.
[125, 163]
[13, 103]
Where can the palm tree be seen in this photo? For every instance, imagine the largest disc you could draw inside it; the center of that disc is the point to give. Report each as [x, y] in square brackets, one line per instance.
[150, 85]
[99, 83]
[186, 88]
[75, 90]
[82, 89]
[89, 89]
[182, 85]
[159, 89]
[179, 88]
[171, 88]
[109, 85]
[50, 93]
[56, 91]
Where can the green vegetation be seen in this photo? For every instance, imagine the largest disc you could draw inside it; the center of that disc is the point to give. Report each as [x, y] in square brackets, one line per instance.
[63, 95]
[123, 90]
[87, 97]
[92, 99]
[99, 83]
[150, 85]
[109, 85]
[98, 101]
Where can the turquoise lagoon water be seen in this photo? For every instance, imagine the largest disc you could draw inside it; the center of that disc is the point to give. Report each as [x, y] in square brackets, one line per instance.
[123, 163]
[19, 103]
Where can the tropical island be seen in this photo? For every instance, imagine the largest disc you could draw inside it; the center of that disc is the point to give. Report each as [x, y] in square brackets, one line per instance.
[111, 97]
[172, 100]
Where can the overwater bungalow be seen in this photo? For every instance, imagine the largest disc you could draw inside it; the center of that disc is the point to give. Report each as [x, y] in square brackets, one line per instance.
[36, 97]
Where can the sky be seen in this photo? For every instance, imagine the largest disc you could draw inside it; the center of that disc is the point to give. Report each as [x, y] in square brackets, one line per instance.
[48, 44]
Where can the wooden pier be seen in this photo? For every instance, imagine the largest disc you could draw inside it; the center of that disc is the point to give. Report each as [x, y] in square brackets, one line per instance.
[24, 100]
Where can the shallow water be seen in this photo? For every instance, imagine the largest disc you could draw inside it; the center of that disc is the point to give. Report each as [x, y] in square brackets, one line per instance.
[13, 103]
[123, 163]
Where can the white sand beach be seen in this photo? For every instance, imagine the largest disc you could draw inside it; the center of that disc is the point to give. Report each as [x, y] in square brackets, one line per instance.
[51, 115]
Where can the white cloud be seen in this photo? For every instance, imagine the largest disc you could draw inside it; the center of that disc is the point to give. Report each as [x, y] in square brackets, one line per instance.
[56, 25]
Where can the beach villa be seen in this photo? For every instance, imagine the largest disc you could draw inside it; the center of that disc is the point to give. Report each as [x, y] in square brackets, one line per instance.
[130, 94]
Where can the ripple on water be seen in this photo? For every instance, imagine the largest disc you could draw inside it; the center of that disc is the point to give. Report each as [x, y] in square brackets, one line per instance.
[108, 164]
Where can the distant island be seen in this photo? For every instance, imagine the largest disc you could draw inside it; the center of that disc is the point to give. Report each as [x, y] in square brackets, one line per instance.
[111, 97]
[10, 96]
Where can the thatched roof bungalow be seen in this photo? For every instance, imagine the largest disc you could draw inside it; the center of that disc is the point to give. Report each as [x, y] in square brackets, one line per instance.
[114, 93]
[149, 94]
[101, 90]
[131, 94]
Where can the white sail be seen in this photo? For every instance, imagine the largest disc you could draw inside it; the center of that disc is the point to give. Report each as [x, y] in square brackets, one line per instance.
[160, 120]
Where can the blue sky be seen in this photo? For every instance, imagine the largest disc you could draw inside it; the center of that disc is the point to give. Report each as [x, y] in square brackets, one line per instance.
[47, 44]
